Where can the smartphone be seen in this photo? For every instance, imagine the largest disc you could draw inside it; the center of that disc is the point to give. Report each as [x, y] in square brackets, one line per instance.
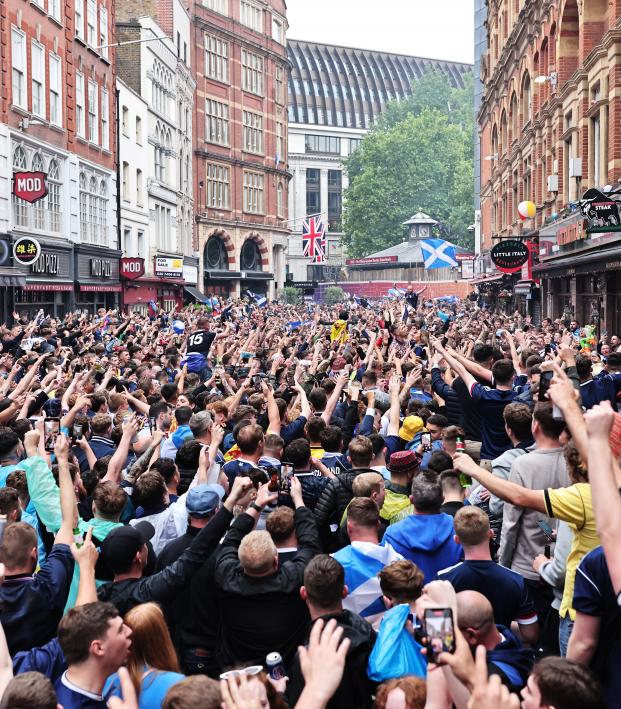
[256, 380]
[547, 530]
[33, 422]
[425, 439]
[284, 478]
[440, 631]
[152, 424]
[51, 431]
[78, 431]
[545, 378]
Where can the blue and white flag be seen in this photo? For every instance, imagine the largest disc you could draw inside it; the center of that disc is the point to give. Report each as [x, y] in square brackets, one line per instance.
[260, 300]
[438, 253]
[362, 562]
[396, 292]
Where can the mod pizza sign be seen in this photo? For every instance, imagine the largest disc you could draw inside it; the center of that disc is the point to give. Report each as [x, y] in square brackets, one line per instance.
[30, 186]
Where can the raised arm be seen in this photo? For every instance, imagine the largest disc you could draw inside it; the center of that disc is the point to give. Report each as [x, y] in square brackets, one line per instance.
[68, 508]
[565, 396]
[273, 413]
[334, 398]
[395, 405]
[456, 366]
[117, 462]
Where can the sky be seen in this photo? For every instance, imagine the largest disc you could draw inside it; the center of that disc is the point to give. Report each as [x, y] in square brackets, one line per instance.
[439, 29]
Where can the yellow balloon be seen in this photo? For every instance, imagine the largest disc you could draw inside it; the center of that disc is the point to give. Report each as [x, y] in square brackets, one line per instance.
[527, 210]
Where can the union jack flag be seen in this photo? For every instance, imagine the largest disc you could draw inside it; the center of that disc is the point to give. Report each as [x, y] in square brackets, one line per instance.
[314, 239]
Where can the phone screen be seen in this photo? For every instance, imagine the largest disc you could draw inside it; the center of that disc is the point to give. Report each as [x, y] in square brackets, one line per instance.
[51, 431]
[284, 479]
[78, 430]
[545, 379]
[152, 424]
[425, 439]
[440, 632]
[546, 529]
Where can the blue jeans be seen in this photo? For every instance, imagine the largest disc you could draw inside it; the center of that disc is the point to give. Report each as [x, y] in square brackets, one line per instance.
[564, 633]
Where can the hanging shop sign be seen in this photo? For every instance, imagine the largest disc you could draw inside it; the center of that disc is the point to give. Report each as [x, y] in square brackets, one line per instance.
[509, 256]
[26, 250]
[131, 268]
[602, 208]
[30, 186]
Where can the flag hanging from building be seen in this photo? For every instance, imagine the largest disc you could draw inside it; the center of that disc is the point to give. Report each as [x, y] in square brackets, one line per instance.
[438, 253]
[314, 239]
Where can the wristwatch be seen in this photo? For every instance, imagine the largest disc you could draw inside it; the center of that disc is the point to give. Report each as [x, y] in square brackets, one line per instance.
[256, 507]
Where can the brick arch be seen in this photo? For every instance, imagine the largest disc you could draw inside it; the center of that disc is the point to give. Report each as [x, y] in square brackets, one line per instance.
[228, 245]
[568, 40]
[261, 245]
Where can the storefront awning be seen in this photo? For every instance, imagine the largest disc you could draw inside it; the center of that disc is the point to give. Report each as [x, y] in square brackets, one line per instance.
[56, 287]
[101, 288]
[609, 260]
[196, 294]
[486, 279]
[12, 277]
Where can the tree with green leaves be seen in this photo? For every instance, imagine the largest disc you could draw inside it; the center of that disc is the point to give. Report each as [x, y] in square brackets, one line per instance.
[419, 156]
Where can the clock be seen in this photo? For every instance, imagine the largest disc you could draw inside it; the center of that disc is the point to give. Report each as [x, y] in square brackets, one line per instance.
[423, 230]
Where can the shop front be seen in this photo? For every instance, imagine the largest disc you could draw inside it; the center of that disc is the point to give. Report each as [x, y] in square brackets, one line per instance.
[49, 281]
[165, 288]
[97, 278]
[190, 276]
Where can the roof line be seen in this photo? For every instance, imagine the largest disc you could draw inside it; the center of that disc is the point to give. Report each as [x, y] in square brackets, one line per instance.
[380, 51]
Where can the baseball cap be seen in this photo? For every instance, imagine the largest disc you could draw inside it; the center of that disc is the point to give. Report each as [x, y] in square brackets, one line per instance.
[122, 544]
[410, 427]
[202, 500]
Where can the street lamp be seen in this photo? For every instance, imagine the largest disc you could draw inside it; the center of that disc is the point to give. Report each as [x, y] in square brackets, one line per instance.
[543, 78]
[494, 156]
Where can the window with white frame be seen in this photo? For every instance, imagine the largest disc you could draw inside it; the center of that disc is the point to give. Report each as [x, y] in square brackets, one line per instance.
[53, 196]
[278, 30]
[139, 189]
[217, 122]
[19, 68]
[251, 15]
[80, 116]
[103, 31]
[253, 132]
[125, 121]
[43, 215]
[91, 23]
[37, 60]
[216, 58]
[125, 183]
[280, 205]
[138, 130]
[253, 192]
[20, 206]
[93, 208]
[161, 87]
[279, 80]
[53, 9]
[280, 142]
[218, 183]
[38, 207]
[252, 72]
[56, 92]
[105, 114]
[221, 6]
[93, 112]
[79, 18]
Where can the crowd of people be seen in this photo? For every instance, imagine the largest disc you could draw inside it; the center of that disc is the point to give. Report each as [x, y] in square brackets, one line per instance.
[397, 504]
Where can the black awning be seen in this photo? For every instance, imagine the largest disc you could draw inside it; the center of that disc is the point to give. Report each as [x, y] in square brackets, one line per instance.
[196, 294]
[16, 281]
[590, 262]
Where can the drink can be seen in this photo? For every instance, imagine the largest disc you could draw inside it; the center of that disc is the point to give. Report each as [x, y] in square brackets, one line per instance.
[275, 665]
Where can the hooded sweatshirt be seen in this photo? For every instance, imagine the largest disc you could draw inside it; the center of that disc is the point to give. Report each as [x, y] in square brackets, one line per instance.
[427, 540]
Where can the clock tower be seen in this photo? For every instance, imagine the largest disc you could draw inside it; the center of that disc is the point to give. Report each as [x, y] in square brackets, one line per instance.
[420, 226]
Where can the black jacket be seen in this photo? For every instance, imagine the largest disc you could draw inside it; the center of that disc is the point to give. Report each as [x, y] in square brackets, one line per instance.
[453, 405]
[172, 580]
[470, 414]
[337, 495]
[355, 690]
[266, 614]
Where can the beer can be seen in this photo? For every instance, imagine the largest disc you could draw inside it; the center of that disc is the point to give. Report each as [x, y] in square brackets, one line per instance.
[275, 665]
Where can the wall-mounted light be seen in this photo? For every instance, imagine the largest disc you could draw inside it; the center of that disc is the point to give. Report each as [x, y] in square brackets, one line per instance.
[26, 122]
[552, 78]
[491, 157]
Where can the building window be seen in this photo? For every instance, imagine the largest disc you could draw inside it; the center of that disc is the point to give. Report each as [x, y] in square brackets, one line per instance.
[79, 105]
[253, 132]
[252, 73]
[138, 130]
[125, 174]
[53, 9]
[354, 144]
[125, 121]
[103, 31]
[161, 87]
[335, 199]
[91, 23]
[253, 192]
[39, 208]
[93, 208]
[53, 196]
[218, 177]
[139, 188]
[163, 218]
[127, 241]
[216, 59]
[279, 79]
[93, 128]
[313, 192]
[221, 6]
[140, 245]
[56, 107]
[38, 79]
[280, 142]
[216, 257]
[79, 18]
[323, 144]
[105, 113]
[216, 122]
[251, 15]
[526, 99]
[20, 206]
[19, 66]
[250, 258]
[280, 204]
[278, 30]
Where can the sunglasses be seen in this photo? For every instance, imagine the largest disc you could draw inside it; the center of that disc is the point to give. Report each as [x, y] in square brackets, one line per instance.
[251, 671]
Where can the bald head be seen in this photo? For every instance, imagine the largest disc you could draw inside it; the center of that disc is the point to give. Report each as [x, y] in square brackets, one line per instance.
[474, 611]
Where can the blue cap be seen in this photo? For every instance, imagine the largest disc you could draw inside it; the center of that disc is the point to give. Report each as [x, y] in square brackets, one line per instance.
[202, 500]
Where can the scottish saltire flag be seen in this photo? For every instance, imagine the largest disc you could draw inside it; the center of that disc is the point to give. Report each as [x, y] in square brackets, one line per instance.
[314, 239]
[260, 300]
[438, 253]
[153, 307]
[362, 562]
[396, 292]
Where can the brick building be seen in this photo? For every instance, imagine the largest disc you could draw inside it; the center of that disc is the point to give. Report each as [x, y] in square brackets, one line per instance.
[57, 117]
[550, 128]
[240, 133]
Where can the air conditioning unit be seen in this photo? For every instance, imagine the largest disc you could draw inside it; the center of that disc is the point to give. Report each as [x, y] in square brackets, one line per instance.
[575, 167]
[552, 183]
